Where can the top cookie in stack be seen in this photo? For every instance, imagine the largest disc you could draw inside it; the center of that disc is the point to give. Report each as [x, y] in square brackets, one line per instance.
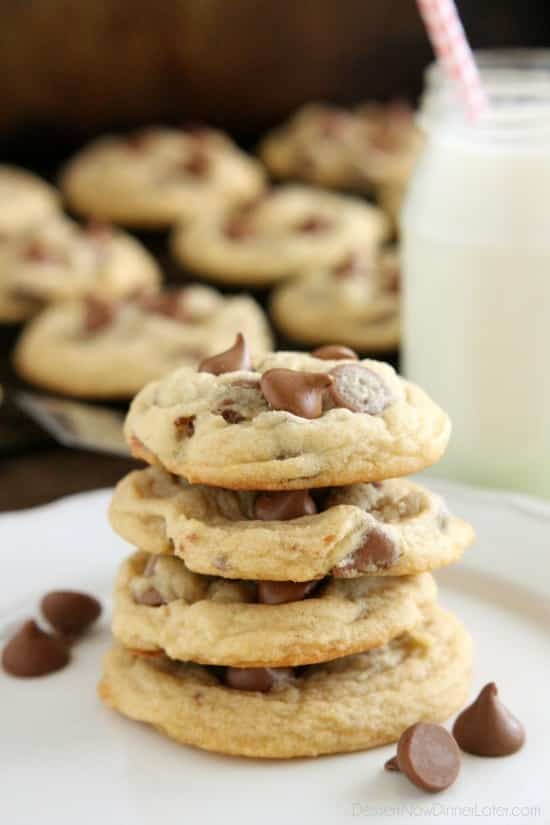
[308, 614]
[290, 421]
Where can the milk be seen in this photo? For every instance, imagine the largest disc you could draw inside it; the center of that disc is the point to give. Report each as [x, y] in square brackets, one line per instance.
[476, 306]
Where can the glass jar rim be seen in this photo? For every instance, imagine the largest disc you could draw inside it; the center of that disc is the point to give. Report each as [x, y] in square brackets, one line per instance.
[517, 84]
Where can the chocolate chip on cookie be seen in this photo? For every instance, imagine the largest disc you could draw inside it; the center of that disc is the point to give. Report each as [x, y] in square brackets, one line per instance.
[260, 679]
[184, 426]
[313, 224]
[236, 358]
[197, 164]
[70, 612]
[283, 592]
[428, 755]
[334, 352]
[149, 597]
[359, 389]
[487, 728]
[98, 314]
[32, 652]
[238, 228]
[300, 393]
[378, 550]
[284, 506]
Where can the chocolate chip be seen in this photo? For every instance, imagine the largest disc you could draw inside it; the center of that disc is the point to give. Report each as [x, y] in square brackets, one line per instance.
[334, 352]
[150, 597]
[391, 764]
[281, 592]
[232, 416]
[168, 303]
[348, 266]
[313, 224]
[32, 652]
[378, 550]
[197, 164]
[70, 612]
[284, 506]
[300, 393]
[98, 231]
[98, 314]
[184, 426]
[359, 389]
[38, 252]
[237, 357]
[138, 141]
[428, 755]
[487, 728]
[238, 228]
[261, 679]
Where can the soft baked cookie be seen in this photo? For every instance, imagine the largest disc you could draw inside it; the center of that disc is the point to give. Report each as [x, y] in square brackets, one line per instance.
[110, 349]
[353, 703]
[161, 605]
[157, 176]
[59, 259]
[392, 528]
[278, 235]
[25, 201]
[345, 149]
[354, 302]
[292, 421]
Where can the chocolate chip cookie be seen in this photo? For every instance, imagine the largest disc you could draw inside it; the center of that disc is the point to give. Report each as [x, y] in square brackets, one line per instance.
[287, 230]
[392, 528]
[348, 704]
[157, 176]
[355, 302]
[97, 348]
[290, 421]
[59, 260]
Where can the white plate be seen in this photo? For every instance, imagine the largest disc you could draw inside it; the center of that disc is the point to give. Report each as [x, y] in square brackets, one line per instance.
[65, 758]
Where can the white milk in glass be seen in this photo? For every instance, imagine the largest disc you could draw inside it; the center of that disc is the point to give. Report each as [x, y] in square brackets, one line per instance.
[476, 264]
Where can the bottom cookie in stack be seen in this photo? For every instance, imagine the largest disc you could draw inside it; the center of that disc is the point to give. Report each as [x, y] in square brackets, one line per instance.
[350, 703]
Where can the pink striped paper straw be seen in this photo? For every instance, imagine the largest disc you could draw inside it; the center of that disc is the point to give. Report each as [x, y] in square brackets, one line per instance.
[454, 53]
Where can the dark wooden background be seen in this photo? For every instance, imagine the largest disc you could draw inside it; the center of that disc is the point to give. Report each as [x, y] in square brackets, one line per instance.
[70, 69]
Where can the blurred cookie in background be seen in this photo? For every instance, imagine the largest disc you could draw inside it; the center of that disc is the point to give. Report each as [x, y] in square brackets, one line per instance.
[94, 348]
[25, 200]
[59, 259]
[354, 303]
[288, 229]
[156, 176]
[375, 145]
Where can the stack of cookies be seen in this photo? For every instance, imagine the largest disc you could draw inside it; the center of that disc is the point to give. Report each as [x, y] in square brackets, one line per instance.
[280, 603]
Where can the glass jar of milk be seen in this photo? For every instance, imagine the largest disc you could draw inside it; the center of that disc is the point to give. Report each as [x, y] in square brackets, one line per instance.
[476, 263]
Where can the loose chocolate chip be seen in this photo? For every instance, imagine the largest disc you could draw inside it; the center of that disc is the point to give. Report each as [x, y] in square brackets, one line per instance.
[300, 393]
[378, 550]
[359, 389]
[32, 652]
[391, 764]
[284, 506]
[197, 164]
[70, 612]
[98, 314]
[282, 592]
[237, 357]
[184, 426]
[487, 728]
[334, 352]
[428, 755]
[261, 679]
[150, 597]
